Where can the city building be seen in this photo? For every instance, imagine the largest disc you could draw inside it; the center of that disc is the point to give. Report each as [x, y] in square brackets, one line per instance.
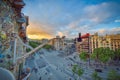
[111, 41]
[57, 43]
[77, 43]
[88, 43]
[13, 36]
[60, 43]
[83, 43]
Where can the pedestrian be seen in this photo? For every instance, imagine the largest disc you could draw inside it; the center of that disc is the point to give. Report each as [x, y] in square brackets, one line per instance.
[46, 73]
[36, 70]
[49, 78]
[32, 70]
[40, 78]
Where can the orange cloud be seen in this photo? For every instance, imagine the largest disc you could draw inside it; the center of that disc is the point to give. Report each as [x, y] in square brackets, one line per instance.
[37, 31]
[60, 34]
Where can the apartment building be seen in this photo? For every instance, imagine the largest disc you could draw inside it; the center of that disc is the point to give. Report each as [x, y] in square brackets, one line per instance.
[59, 43]
[112, 41]
[83, 43]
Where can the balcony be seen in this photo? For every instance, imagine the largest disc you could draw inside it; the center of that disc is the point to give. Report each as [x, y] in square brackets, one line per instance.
[25, 39]
[11, 1]
[22, 28]
[21, 20]
[22, 34]
[19, 4]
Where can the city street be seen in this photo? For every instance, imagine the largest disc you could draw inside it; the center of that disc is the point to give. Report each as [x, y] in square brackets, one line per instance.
[49, 66]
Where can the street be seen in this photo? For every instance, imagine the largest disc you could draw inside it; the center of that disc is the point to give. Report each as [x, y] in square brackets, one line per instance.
[49, 66]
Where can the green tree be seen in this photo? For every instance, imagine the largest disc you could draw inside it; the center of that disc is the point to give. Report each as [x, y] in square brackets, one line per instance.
[106, 55]
[47, 46]
[34, 44]
[80, 72]
[117, 54]
[83, 56]
[96, 53]
[113, 75]
[95, 76]
[77, 70]
[74, 68]
[102, 54]
[28, 50]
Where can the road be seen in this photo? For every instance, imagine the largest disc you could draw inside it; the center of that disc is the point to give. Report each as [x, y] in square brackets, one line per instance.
[49, 66]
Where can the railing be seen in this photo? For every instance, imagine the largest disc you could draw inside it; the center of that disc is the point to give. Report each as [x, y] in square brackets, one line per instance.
[24, 43]
[33, 51]
[18, 48]
[25, 78]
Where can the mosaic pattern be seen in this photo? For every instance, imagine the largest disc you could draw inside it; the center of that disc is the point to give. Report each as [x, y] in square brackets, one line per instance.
[7, 24]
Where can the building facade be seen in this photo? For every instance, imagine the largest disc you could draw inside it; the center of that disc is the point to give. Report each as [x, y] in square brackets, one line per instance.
[13, 36]
[83, 43]
[59, 43]
[87, 43]
[111, 41]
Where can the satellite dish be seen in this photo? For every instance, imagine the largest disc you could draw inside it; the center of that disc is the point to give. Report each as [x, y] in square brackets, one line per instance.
[6, 74]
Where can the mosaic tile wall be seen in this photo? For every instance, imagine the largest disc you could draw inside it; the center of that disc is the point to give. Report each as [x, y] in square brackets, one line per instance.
[7, 29]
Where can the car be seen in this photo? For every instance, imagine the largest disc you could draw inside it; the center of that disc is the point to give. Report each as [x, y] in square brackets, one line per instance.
[98, 70]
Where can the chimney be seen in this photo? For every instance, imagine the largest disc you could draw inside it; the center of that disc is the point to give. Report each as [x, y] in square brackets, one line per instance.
[79, 35]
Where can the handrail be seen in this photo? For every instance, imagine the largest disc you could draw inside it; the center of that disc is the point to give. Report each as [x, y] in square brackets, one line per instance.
[24, 43]
[34, 50]
[26, 77]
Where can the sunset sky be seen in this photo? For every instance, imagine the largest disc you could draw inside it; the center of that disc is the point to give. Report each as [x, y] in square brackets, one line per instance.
[49, 18]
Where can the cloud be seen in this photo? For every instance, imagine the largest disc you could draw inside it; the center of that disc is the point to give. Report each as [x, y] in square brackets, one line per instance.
[94, 15]
[38, 31]
[60, 34]
[117, 20]
[51, 18]
[108, 31]
[102, 12]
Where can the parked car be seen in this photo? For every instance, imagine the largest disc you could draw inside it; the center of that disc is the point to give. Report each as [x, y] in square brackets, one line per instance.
[98, 70]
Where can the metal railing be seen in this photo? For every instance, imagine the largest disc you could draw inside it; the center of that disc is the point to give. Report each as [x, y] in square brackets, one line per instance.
[32, 51]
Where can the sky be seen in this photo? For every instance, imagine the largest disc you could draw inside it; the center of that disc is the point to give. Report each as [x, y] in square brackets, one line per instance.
[49, 18]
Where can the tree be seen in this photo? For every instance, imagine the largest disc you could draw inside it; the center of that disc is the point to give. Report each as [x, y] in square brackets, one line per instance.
[80, 72]
[102, 54]
[106, 55]
[117, 54]
[28, 49]
[83, 56]
[74, 68]
[95, 76]
[113, 75]
[96, 53]
[47, 47]
[77, 70]
[34, 44]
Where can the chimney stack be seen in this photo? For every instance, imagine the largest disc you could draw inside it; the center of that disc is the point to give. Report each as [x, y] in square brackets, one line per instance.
[79, 35]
